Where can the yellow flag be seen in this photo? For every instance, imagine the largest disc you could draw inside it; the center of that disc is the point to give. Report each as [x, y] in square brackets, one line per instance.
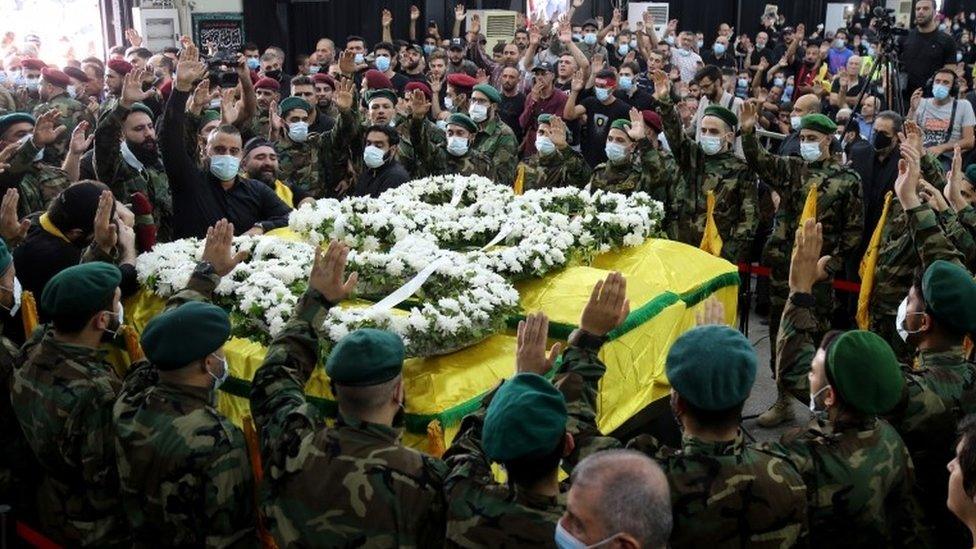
[520, 179]
[711, 241]
[868, 263]
[28, 312]
[810, 206]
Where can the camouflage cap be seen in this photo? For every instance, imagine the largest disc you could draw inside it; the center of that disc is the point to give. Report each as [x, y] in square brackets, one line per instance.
[292, 103]
[185, 334]
[463, 120]
[818, 123]
[864, 370]
[365, 357]
[712, 367]
[526, 417]
[723, 114]
[80, 289]
[490, 92]
[950, 294]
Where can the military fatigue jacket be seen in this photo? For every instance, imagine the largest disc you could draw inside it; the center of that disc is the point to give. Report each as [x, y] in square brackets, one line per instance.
[350, 485]
[434, 159]
[309, 165]
[38, 183]
[18, 466]
[406, 152]
[70, 113]
[495, 140]
[563, 168]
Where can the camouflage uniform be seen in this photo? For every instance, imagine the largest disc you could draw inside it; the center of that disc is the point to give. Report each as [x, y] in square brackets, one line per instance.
[406, 152]
[839, 210]
[70, 113]
[350, 485]
[728, 177]
[435, 160]
[625, 177]
[483, 513]
[37, 182]
[723, 494]
[496, 141]
[7, 102]
[301, 164]
[563, 168]
[125, 179]
[858, 473]
[17, 463]
[63, 398]
[661, 175]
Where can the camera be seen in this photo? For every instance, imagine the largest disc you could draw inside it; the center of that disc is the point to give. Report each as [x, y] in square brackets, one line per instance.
[222, 67]
[886, 27]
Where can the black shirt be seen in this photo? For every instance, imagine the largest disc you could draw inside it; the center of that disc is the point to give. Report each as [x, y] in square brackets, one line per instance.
[924, 53]
[373, 183]
[199, 199]
[721, 61]
[640, 100]
[509, 111]
[598, 120]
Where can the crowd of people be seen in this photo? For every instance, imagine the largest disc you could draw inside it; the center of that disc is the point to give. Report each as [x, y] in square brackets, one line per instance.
[784, 152]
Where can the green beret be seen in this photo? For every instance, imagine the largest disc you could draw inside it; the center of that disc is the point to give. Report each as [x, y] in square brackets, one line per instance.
[141, 107]
[209, 116]
[620, 124]
[970, 173]
[463, 120]
[865, 372]
[725, 115]
[292, 103]
[547, 118]
[818, 123]
[526, 417]
[365, 357]
[712, 367]
[950, 294]
[6, 259]
[380, 94]
[490, 92]
[80, 289]
[184, 334]
[8, 120]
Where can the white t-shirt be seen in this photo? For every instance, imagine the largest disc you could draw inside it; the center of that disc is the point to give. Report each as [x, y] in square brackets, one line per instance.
[935, 123]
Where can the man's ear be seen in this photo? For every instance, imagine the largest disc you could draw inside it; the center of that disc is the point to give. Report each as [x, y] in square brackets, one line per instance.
[569, 444]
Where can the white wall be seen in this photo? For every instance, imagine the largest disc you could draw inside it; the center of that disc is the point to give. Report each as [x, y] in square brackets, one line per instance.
[210, 6]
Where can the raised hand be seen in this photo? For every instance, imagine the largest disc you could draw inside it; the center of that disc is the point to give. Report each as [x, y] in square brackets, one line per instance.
[806, 266]
[12, 229]
[749, 115]
[386, 18]
[906, 184]
[106, 232]
[419, 105]
[436, 84]
[459, 12]
[662, 84]
[228, 106]
[557, 132]
[414, 13]
[953, 190]
[608, 306]
[648, 19]
[132, 87]
[217, 249]
[475, 26]
[916, 99]
[347, 62]
[932, 196]
[329, 271]
[913, 136]
[343, 94]
[712, 312]
[79, 144]
[637, 130]
[189, 69]
[533, 334]
[201, 96]
[579, 81]
[47, 130]
[132, 35]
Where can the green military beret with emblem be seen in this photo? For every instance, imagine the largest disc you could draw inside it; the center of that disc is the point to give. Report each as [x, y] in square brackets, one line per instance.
[819, 123]
[365, 357]
[950, 294]
[208, 116]
[463, 120]
[490, 92]
[725, 115]
[381, 94]
[526, 417]
[864, 370]
[292, 103]
[8, 120]
[141, 107]
[184, 334]
[712, 367]
[620, 124]
[81, 289]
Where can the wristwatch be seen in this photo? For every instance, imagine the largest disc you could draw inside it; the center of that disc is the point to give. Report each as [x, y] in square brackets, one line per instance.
[205, 268]
[585, 340]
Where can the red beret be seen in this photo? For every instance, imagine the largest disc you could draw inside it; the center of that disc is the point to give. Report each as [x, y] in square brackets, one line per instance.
[324, 78]
[461, 80]
[255, 76]
[419, 86]
[266, 83]
[166, 88]
[375, 80]
[119, 66]
[55, 77]
[33, 64]
[77, 74]
[653, 120]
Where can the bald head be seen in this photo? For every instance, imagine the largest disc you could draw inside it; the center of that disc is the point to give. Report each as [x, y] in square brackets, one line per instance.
[806, 104]
[619, 493]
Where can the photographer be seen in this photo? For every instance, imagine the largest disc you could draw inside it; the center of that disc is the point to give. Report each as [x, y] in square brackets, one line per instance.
[925, 49]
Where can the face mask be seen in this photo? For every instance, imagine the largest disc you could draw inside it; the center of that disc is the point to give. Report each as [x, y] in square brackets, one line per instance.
[224, 167]
[622, 49]
[700, 43]
[72, 91]
[813, 399]
[373, 156]
[743, 82]
[458, 146]
[442, 124]
[718, 48]
[589, 38]
[616, 152]
[760, 45]
[710, 144]
[448, 103]
[16, 292]
[359, 59]
[900, 318]
[795, 122]
[633, 44]
[602, 94]
[942, 27]
[113, 327]
[429, 49]
[253, 63]
[314, 69]
[215, 104]
[810, 151]
[940, 91]
[881, 141]
[609, 39]
[870, 51]
[787, 92]
[544, 145]
[958, 57]
[778, 82]
[33, 83]
[14, 75]
[298, 132]
[382, 63]
[224, 373]
[39, 156]
[478, 113]
[625, 83]
[565, 540]
[839, 43]
[274, 75]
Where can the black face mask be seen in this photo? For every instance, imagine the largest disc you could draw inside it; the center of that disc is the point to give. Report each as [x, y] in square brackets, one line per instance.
[274, 75]
[881, 141]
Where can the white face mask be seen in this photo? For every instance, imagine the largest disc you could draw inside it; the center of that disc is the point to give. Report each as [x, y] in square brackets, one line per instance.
[298, 132]
[72, 91]
[478, 113]
[457, 146]
[565, 540]
[448, 103]
[224, 373]
[373, 156]
[900, 318]
[810, 151]
[711, 144]
[16, 291]
[813, 399]
[795, 122]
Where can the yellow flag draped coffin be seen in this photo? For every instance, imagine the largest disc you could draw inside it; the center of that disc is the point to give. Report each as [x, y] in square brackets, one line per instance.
[452, 263]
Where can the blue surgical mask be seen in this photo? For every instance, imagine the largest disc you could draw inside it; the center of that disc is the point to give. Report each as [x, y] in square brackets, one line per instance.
[298, 132]
[810, 151]
[544, 145]
[718, 48]
[710, 144]
[224, 167]
[743, 82]
[602, 94]
[626, 82]
[429, 49]
[839, 43]
[314, 69]
[577, 37]
[565, 540]
[633, 44]
[670, 39]
[623, 49]
[795, 122]
[813, 399]
[382, 63]
[787, 93]
[870, 51]
[700, 43]
[32, 83]
[373, 156]
[72, 91]
[940, 91]
[448, 103]
[253, 63]
[457, 146]
[589, 38]
[616, 152]
[778, 82]
[359, 59]
[958, 56]
[478, 112]
[220, 378]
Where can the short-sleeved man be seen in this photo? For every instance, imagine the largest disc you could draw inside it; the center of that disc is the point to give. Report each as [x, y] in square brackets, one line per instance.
[937, 128]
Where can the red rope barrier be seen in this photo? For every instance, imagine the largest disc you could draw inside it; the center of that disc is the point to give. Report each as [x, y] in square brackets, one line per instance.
[839, 285]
